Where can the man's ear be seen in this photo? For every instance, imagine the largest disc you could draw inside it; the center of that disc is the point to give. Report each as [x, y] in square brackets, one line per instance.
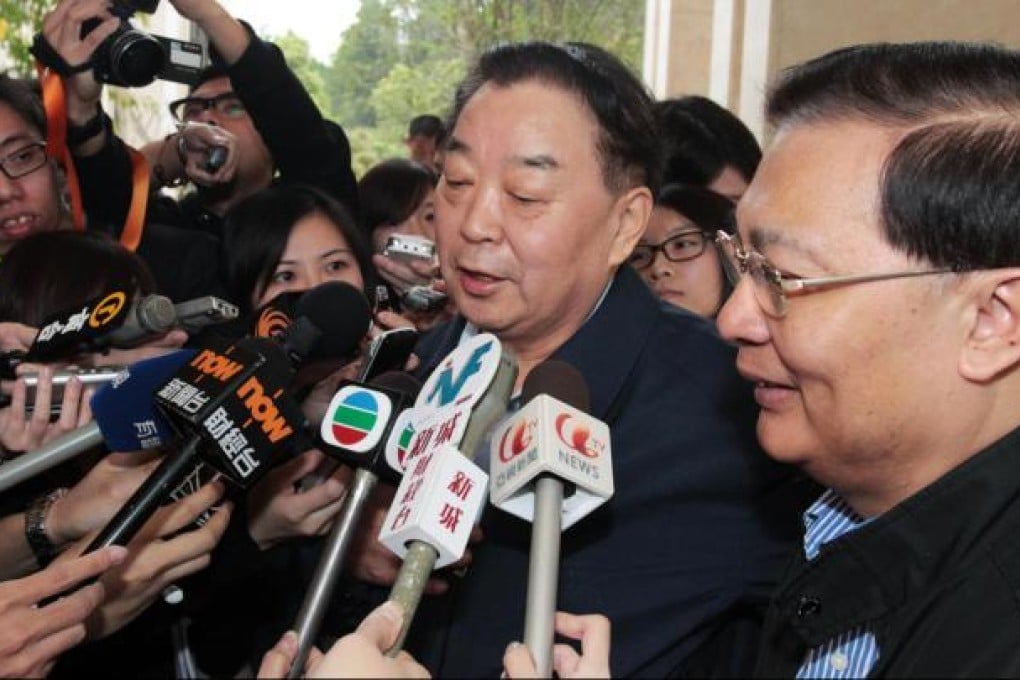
[992, 345]
[630, 217]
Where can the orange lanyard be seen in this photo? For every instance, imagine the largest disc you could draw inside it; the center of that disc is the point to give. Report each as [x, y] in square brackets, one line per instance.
[55, 103]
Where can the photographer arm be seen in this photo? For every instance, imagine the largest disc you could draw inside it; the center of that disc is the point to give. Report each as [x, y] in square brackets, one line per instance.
[305, 147]
[102, 160]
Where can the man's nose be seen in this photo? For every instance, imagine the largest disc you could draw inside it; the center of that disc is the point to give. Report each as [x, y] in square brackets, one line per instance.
[482, 219]
[741, 318]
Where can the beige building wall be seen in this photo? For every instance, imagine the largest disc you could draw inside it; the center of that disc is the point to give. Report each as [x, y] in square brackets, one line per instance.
[730, 50]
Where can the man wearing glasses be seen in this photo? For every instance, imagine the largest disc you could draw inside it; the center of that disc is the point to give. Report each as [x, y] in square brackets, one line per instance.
[877, 311]
[247, 121]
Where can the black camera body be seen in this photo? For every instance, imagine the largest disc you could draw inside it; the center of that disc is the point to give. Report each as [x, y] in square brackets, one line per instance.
[132, 58]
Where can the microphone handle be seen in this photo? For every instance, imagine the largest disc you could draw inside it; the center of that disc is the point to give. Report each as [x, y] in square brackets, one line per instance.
[543, 573]
[53, 453]
[409, 586]
[320, 592]
[153, 491]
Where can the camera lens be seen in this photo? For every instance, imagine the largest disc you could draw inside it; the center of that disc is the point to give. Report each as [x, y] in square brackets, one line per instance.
[136, 58]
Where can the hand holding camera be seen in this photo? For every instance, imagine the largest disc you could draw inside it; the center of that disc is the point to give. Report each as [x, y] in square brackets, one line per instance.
[208, 153]
[64, 30]
[407, 261]
[94, 41]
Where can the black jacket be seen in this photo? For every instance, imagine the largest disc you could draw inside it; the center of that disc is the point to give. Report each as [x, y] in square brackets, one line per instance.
[685, 555]
[937, 578]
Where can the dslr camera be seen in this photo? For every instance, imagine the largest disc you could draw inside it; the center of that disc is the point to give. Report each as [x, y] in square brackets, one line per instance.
[132, 58]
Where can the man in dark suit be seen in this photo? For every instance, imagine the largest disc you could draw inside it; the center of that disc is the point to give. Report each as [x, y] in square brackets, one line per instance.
[548, 178]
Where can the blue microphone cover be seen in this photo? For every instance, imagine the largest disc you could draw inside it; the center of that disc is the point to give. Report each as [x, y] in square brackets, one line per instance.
[124, 409]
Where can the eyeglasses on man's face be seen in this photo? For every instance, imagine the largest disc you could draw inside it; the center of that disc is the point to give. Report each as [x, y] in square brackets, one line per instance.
[226, 104]
[681, 247]
[772, 288]
[28, 158]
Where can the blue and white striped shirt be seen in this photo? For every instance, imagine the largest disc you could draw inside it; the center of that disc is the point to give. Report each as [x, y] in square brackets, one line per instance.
[853, 653]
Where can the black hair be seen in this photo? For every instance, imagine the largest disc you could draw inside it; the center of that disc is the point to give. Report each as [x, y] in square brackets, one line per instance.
[426, 125]
[24, 98]
[950, 189]
[392, 190]
[256, 231]
[700, 139]
[52, 271]
[214, 70]
[708, 210]
[622, 107]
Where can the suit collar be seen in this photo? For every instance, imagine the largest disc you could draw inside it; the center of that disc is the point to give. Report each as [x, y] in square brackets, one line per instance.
[605, 348]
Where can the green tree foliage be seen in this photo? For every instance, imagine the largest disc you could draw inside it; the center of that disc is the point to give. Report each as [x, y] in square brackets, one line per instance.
[405, 57]
[19, 21]
[310, 72]
[367, 53]
[411, 89]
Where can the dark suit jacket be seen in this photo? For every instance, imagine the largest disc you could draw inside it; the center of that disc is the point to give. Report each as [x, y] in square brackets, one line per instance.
[682, 559]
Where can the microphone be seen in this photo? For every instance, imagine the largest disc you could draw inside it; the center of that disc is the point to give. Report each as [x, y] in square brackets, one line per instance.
[275, 316]
[123, 418]
[355, 431]
[147, 317]
[99, 323]
[550, 448]
[442, 492]
[230, 404]
[109, 321]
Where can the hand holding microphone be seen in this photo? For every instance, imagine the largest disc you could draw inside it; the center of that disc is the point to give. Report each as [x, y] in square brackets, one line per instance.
[25, 422]
[442, 491]
[356, 430]
[358, 654]
[232, 406]
[550, 464]
[208, 153]
[124, 419]
[592, 631]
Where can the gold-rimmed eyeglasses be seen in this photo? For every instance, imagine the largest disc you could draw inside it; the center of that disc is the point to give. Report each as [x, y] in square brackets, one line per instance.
[772, 287]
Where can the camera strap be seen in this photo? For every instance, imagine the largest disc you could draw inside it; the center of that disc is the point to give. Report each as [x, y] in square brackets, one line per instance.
[47, 56]
[52, 68]
[55, 104]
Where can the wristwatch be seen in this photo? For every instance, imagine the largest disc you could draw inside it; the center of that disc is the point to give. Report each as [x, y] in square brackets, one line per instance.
[35, 527]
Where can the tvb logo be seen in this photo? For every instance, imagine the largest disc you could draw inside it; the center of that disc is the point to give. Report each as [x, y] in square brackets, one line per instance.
[356, 419]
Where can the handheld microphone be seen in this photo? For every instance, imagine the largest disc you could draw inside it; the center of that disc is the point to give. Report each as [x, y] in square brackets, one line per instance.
[231, 407]
[99, 323]
[123, 418]
[110, 321]
[147, 317]
[442, 492]
[550, 445]
[355, 431]
[275, 316]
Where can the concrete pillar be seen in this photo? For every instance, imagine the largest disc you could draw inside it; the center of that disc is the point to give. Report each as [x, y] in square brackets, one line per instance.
[730, 50]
